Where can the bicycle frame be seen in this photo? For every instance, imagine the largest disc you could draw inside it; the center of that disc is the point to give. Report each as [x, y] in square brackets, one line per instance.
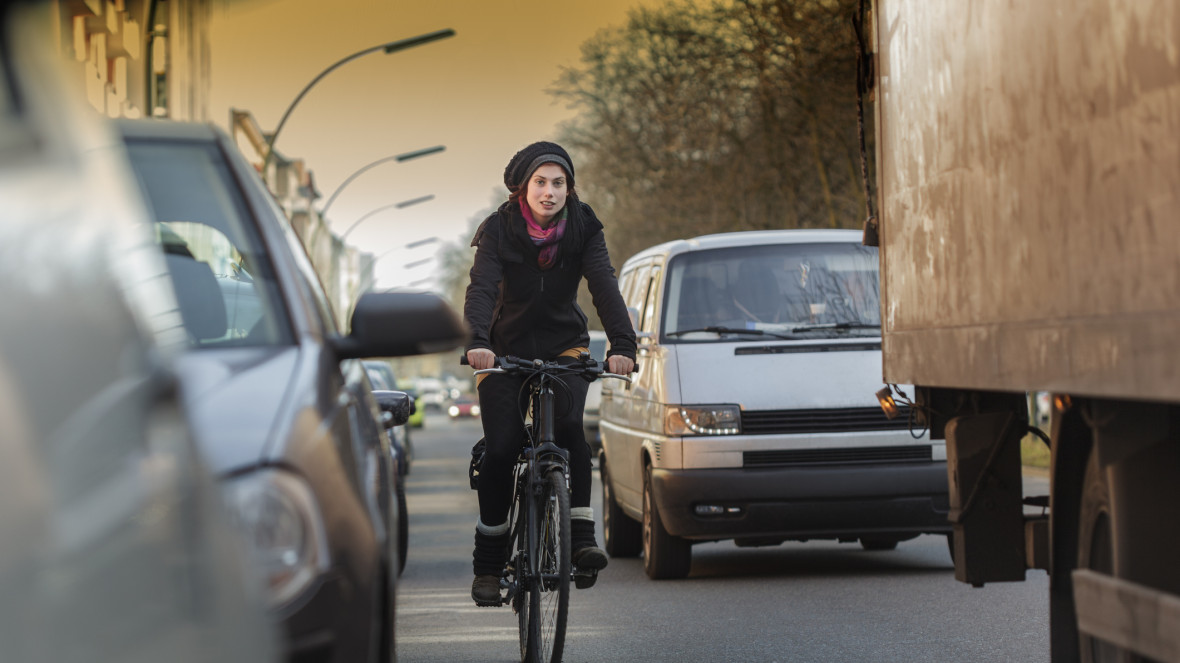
[534, 571]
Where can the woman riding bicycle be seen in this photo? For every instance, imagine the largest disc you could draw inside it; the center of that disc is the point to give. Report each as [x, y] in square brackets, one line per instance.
[531, 255]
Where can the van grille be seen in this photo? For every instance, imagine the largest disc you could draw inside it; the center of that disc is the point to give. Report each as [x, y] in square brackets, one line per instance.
[836, 456]
[839, 420]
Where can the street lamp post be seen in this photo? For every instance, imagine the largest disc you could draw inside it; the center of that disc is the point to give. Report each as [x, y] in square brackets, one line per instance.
[391, 47]
[397, 157]
[371, 280]
[401, 205]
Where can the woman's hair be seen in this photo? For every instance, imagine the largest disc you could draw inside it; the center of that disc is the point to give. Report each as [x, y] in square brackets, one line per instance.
[515, 194]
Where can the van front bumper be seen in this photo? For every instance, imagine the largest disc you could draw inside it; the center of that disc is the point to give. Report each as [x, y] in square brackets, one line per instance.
[820, 502]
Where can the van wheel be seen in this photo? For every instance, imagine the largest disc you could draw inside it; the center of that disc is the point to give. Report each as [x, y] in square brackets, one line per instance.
[622, 536]
[665, 557]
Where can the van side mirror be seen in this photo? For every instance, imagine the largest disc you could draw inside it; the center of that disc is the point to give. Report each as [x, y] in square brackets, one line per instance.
[399, 324]
[396, 407]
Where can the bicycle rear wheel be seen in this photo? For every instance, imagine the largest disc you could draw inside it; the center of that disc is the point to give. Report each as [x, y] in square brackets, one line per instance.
[549, 588]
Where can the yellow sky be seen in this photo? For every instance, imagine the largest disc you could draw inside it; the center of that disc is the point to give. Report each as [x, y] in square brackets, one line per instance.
[479, 93]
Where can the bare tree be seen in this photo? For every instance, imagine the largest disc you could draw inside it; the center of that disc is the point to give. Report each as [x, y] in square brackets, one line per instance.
[735, 115]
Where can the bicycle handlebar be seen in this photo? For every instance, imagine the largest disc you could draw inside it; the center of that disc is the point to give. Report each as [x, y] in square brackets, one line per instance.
[510, 364]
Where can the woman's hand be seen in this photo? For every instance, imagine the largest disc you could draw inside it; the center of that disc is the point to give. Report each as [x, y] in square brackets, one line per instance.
[620, 365]
[481, 358]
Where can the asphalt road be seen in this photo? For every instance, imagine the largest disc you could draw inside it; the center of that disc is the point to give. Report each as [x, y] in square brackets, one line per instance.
[815, 601]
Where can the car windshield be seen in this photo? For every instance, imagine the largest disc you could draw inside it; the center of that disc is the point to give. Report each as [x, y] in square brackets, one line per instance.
[781, 290]
[224, 282]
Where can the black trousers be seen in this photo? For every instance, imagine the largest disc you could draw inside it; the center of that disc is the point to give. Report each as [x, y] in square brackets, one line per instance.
[502, 404]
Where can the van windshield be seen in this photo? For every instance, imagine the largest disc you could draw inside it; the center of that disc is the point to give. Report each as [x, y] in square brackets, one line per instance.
[785, 290]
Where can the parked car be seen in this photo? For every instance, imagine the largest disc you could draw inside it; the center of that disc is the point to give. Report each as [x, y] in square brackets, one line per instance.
[463, 407]
[395, 410]
[594, 394]
[399, 434]
[380, 372]
[283, 412]
[114, 547]
[753, 414]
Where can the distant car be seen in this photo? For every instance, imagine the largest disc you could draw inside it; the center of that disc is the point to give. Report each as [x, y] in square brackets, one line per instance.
[283, 412]
[113, 542]
[431, 393]
[594, 394]
[463, 407]
[417, 413]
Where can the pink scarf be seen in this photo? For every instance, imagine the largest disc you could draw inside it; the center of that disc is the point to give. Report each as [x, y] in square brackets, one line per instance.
[546, 238]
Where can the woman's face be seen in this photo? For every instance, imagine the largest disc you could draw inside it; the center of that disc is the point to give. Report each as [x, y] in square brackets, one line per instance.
[547, 192]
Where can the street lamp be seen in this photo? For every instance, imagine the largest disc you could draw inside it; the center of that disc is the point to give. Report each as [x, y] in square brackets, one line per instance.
[401, 205]
[397, 157]
[391, 47]
[372, 278]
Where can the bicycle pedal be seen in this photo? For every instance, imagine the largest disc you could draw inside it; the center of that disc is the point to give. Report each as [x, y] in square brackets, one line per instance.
[585, 579]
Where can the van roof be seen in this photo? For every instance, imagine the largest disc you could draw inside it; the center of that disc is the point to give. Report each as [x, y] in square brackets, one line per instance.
[747, 238]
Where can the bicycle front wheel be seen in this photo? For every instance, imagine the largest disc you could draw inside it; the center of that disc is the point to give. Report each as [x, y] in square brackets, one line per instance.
[549, 589]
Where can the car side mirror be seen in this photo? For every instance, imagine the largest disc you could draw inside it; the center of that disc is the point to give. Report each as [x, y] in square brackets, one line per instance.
[396, 407]
[400, 324]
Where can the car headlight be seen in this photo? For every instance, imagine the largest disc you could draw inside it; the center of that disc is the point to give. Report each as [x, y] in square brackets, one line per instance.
[453, 411]
[278, 515]
[475, 410]
[702, 420]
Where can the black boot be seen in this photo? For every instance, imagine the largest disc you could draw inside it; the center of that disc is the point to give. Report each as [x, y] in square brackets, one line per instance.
[587, 557]
[488, 559]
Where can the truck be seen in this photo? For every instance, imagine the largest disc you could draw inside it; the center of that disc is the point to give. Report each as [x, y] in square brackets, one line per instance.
[1027, 173]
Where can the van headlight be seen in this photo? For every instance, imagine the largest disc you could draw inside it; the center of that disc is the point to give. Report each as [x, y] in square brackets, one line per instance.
[702, 420]
[281, 522]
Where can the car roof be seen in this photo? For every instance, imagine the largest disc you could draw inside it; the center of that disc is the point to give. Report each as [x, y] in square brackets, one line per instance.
[746, 238]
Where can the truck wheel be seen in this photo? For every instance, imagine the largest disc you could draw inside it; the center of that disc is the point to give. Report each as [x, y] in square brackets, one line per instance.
[878, 544]
[1095, 547]
[665, 557]
[622, 536]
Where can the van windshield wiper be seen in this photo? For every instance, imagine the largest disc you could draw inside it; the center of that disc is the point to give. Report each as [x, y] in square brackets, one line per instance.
[727, 330]
[834, 325]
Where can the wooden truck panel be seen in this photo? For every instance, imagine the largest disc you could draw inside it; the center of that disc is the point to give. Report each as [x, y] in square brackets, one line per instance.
[1028, 159]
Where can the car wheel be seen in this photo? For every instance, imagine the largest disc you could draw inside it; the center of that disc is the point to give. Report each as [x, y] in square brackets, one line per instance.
[403, 530]
[622, 535]
[665, 557]
[869, 543]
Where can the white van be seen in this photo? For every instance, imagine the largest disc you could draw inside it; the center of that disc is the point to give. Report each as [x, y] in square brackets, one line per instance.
[753, 413]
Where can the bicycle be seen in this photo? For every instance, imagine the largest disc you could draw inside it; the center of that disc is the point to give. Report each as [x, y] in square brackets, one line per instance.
[539, 571]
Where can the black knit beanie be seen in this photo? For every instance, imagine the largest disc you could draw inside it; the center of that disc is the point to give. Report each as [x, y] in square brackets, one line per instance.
[532, 157]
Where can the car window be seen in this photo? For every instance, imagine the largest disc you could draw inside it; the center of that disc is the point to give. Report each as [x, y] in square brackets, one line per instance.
[647, 321]
[224, 282]
[830, 288]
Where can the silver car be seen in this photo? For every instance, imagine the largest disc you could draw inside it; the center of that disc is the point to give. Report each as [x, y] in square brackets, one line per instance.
[114, 543]
[283, 408]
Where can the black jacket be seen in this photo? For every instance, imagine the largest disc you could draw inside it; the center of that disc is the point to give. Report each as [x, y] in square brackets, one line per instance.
[513, 307]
